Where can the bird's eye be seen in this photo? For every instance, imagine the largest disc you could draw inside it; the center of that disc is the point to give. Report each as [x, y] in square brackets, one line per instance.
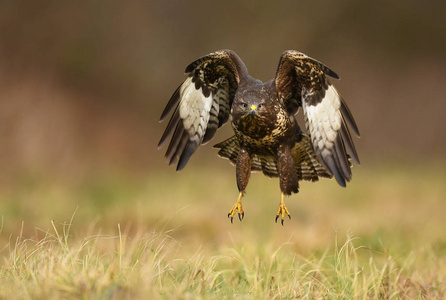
[260, 105]
[244, 105]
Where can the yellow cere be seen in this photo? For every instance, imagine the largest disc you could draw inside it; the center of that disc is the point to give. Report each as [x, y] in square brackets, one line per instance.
[253, 107]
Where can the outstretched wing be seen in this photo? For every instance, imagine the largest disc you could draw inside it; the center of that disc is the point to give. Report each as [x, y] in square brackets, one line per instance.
[202, 104]
[302, 82]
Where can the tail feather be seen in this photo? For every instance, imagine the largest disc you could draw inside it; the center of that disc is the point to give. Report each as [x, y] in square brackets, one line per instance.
[229, 149]
[306, 162]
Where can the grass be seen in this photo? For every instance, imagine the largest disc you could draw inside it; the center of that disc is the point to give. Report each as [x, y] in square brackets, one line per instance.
[152, 265]
[167, 236]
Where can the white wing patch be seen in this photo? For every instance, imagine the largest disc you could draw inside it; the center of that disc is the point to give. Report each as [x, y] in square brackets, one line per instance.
[194, 110]
[323, 122]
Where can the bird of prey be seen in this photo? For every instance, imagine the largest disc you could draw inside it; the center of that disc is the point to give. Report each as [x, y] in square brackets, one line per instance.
[267, 137]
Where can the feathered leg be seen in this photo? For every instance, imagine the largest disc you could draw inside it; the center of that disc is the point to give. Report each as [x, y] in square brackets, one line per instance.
[243, 171]
[289, 180]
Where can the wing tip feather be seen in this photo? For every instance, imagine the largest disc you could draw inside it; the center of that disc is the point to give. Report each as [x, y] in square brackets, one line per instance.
[190, 149]
[174, 99]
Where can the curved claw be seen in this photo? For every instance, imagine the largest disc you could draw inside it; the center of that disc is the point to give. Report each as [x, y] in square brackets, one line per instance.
[229, 216]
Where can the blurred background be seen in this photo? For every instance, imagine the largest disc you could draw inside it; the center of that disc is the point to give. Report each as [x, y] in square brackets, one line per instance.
[82, 86]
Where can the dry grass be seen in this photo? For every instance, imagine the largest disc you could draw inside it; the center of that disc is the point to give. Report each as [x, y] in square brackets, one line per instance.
[381, 238]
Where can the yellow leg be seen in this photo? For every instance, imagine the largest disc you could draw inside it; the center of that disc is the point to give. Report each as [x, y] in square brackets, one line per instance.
[237, 207]
[282, 210]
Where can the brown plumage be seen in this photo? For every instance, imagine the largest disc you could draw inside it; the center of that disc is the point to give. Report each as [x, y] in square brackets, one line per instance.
[267, 137]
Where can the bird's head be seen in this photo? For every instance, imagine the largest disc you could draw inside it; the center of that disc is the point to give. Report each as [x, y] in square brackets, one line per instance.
[250, 105]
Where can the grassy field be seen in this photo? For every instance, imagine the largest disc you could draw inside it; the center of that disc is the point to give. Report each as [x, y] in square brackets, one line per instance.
[167, 236]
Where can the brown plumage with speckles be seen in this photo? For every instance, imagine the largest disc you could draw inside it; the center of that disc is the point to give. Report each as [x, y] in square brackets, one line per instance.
[267, 137]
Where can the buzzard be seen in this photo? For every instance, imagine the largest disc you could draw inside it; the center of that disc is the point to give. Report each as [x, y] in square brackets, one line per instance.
[267, 137]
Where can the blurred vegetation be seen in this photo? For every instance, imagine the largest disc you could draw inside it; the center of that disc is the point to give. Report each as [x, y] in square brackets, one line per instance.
[82, 86]
[149, 266]
[112, 236]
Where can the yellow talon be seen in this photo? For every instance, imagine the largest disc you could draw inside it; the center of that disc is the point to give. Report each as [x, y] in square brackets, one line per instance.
[237, 207]
[282, 210]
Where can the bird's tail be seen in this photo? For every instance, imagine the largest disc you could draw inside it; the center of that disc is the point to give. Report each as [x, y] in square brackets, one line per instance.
[307, 165]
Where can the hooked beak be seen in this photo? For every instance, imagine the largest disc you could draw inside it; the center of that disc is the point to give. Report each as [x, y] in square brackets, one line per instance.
[253, 110]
